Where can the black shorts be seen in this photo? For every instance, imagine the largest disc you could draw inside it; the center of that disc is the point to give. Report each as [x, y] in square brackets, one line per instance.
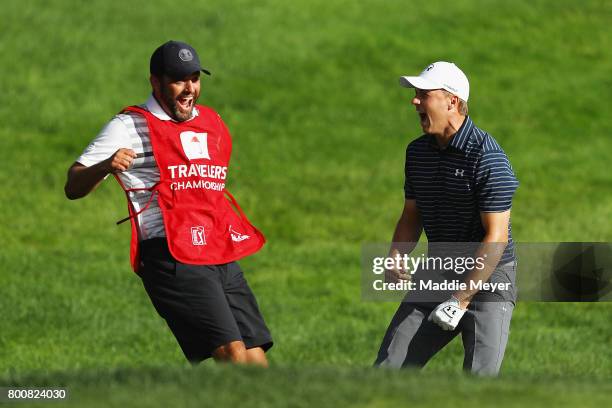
[205, 306]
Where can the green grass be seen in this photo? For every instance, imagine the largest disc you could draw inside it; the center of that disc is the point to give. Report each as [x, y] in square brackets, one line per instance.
[309, 91]
[308, 386]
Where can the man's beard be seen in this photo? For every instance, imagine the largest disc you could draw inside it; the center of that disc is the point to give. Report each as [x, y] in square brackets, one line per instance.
[177, 114]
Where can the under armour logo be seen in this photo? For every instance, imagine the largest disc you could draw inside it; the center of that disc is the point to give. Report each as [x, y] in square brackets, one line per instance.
[459, 172]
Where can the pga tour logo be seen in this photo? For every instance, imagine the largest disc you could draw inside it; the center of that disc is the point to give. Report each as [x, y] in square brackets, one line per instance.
[195, 145]
[198, 237]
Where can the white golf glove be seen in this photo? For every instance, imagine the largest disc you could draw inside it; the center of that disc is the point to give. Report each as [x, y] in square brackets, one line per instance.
[447, 315]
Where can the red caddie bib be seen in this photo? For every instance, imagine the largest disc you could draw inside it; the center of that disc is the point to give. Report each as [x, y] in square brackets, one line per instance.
[202, 227]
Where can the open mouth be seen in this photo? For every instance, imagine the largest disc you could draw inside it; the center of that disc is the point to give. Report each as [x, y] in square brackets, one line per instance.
[185, 102]
[423, 118]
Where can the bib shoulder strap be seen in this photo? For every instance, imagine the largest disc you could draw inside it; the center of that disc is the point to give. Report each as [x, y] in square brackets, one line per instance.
[134, 108]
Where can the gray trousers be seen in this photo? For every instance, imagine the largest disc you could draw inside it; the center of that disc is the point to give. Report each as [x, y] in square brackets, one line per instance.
[411, 340]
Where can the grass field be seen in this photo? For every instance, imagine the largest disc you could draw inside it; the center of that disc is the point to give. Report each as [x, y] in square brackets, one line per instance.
[309, 91]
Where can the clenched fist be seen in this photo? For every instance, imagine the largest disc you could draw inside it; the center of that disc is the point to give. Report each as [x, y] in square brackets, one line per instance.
[395, 275]
[448, 314]
[120, 161]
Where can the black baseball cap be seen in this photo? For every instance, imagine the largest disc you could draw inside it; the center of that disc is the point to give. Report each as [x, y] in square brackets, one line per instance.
[175, 59]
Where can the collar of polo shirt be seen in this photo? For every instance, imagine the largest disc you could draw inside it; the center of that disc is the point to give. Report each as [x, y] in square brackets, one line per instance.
[154, 107]
[460, 139]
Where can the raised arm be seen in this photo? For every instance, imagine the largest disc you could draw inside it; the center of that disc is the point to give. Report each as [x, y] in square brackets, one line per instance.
[82, 180]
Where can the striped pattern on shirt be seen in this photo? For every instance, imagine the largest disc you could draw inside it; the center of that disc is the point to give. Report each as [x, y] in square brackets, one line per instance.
[453, 185]
[143, 174]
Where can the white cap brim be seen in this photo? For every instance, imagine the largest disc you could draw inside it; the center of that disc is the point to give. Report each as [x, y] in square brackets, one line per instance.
[418, 82]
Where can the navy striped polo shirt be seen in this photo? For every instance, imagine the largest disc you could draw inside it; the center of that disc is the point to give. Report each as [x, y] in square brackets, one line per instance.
[453, 185]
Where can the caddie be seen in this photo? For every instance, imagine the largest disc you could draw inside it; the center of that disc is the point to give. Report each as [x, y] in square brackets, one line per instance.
[458, 188]
[171, 156]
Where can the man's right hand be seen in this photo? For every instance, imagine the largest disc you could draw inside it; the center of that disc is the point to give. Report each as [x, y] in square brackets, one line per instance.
[120, 161]
[82, 180]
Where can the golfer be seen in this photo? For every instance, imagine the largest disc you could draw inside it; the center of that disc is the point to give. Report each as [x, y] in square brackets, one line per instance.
[171, 158]
[458, 188]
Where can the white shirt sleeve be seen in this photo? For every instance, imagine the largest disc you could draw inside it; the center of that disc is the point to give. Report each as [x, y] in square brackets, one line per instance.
[111, 138]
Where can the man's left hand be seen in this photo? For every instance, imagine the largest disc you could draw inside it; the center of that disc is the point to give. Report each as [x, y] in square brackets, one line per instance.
[448, 314]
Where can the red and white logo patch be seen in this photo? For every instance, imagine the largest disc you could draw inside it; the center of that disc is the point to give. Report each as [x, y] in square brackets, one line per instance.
[195, 145]
[198, 237]
[237, 236]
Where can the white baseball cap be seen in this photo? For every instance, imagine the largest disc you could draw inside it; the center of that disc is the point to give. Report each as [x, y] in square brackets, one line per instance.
[440, 75]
